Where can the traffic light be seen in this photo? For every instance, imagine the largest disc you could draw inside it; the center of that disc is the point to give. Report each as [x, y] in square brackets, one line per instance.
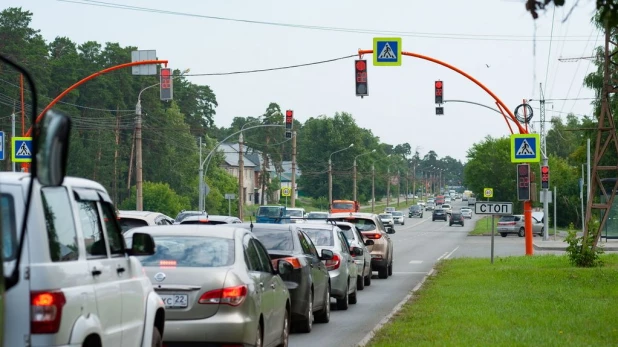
[439, 92]
[289, 118]
[166, 84]
[545, 177]
[523, 182]
[360, 75]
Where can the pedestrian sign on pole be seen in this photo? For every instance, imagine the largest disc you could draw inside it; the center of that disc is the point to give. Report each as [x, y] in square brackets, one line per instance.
[22, 150]
[286, 191]
[1, 145]
[387, 51]
[525, 148]
[488, 192]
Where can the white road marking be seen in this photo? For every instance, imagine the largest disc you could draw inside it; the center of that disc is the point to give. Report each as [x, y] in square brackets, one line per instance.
[442, 256]
[416, 261]
[450, 254]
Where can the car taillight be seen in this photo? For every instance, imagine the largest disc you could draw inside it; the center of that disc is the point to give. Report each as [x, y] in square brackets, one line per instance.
[292, 260]
[333, 264]
[46, 311]
[373, 236]
[167, 263]
[232, 296]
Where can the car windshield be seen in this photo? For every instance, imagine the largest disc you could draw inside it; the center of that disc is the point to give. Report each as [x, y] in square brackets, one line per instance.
[446, 206]
[279, 240]
[386, 216]
[398, 214]
[343, 206]
[415, 207]
[190, 251]
[183, 215]
[9, 228]
[320, 237]
[360, 223]
[317, 215]
[130, 223]
[273, 211]
[205, 221]
[438, 210]
[295, 213]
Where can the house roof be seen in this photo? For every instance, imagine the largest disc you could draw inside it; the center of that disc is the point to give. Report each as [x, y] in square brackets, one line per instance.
[230, 153]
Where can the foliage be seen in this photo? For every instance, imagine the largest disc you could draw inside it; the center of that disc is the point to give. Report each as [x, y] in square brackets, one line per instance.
[158, 197]
[580, 250]
[607, 10]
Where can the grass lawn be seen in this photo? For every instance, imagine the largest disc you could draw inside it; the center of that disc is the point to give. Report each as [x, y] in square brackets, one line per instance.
[483, 226]
[517, 301]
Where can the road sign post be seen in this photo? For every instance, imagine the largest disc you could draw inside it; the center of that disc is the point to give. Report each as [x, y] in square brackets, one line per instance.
[494, 209]
[229, 198]
[22, 149]
[387, 51]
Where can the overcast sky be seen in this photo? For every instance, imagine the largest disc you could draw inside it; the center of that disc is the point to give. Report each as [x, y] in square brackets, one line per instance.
[492, 40]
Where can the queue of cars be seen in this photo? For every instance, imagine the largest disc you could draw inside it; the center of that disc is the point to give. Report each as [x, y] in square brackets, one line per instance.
[237, 283]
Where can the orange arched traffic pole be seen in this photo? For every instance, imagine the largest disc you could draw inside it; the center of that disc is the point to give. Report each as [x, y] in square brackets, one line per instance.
[501, 104]
[86, 79]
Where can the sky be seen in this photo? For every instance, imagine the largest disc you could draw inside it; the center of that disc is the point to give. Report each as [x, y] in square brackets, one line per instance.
[492, 40]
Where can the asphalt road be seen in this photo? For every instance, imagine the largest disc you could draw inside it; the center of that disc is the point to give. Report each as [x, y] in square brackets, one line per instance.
[419, 244]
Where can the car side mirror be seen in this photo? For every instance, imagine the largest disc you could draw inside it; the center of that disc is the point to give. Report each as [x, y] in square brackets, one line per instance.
[142, 244]
[284, 267]
[356, 251]
[369, 243]
[327, 254]
[52, 148]
[390, 230]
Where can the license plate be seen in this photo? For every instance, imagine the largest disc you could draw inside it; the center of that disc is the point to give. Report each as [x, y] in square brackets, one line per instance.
[175, 300]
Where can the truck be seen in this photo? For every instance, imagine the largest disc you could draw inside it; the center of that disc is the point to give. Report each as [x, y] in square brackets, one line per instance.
[439, 200]
[344, 206]
[274, 214]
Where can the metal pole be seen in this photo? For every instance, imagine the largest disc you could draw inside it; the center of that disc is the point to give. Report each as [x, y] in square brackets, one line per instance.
[330, 183]
[407, 185]
[588, 173]
[293, 188]
[229, 207]
[492, 238]
[373, 188]
[138, 156]
[388, 186]
[241, 169]
[545, 206]
[398, 188]
[354, 180]
[201, 183]
[555, 216]
[581, 197]
[12, 136]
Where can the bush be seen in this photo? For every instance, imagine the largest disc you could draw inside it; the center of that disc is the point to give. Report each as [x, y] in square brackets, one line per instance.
[580, 251]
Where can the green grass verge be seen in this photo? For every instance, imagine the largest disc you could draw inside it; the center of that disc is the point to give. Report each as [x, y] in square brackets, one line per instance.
[483, 226]
[517, 301]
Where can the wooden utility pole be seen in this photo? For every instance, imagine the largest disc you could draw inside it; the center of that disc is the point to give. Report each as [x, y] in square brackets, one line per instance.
[241, 169]
[131, 163]
[139, 198]
[293, 188]
[116, 156]
[606, 138]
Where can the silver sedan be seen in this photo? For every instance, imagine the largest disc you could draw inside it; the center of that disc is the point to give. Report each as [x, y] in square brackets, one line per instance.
[218, 285]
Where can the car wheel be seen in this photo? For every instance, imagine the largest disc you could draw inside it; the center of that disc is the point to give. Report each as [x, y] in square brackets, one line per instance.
[368, 278]
[342, 304]
[522, 232]
[383, 272]
[433, 220]
[324, 315]
[503, 234]
[352, 299]
[390, 269]
[285, 334]
[360, 281]
[258, 338]
[542, 231]
[157, 340]
[306, 324]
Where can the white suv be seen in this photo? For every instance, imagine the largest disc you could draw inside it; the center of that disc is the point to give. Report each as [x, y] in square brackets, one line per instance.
[78, 285]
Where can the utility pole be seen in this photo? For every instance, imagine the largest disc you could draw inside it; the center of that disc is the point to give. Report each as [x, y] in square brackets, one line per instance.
[13, 134]
[414, 183]
[398, 188]
[116, 198]
[373, 188]
[293, 189]
[354, 180]
[241, 169]
[330, 183]
[407, 184]
[138, 156]
[201, 181]
[388, 186]
[131, 164]
[545, 163]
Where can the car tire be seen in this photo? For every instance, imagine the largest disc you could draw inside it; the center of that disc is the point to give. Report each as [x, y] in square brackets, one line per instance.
[503, 234]
[390, 269]
[258, 337]
[352, 298]
[367, 278]
[383, 272]
[157, 340]
[305, 325]
[360, 282]
[433, 220]
[323, 316]
[285, 334]
[343, 303]
[521, 232]
[542, 231]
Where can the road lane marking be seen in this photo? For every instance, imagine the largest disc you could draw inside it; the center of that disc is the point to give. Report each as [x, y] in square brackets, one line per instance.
[388, 317]
[442, 256]
[411, 272]
[416, 261]
[450, 254]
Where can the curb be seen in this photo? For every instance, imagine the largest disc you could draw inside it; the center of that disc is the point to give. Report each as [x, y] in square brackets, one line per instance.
[563, 248]
[396, 309]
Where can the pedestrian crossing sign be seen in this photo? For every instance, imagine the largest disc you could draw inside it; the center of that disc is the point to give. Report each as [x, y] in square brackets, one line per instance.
[387, 51]
[525, 148]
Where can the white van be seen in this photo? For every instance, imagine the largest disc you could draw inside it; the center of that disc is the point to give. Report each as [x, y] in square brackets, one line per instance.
[78, 285]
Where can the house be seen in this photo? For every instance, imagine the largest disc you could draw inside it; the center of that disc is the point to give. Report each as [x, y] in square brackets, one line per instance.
[250, 175]
[286, 176]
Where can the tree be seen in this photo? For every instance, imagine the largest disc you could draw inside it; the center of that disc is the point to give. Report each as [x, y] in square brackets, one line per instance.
[159, 197]
[607, 9]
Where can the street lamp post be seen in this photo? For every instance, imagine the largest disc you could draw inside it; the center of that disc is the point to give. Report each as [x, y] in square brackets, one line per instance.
[330, 175]
[355, 170]
[373, 188]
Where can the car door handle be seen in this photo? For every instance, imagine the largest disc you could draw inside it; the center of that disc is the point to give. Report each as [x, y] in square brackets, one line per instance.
[272, 285]
[120, 270]
[96, 272]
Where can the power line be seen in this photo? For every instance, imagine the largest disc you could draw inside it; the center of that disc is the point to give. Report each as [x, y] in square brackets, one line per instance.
[485, 37]
[550, 41]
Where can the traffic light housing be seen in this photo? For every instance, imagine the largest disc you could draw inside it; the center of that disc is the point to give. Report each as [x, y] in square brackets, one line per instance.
[360, 76]
[523, 182]
[289, 119]
[166, 84]
[545, 177]
[439, 91]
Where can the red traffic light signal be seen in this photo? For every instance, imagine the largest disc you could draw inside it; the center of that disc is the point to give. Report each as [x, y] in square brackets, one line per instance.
[545, 177]
[289, 117]
[360, 76]
[166, 87]
[439, 91]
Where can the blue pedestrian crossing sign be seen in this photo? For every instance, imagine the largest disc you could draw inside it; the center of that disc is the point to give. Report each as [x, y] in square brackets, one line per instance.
[1, 145]
[22, 150]
[387, 51]
[525, 148]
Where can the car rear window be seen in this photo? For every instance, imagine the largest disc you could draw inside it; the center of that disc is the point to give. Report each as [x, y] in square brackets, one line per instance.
[206, 222]
[183, 215]
[9, 227]
[507, 219]
[386, 215]
[190, 251]
[130, 223]
[360, 223]
[317, 216]
[275, 240]
[399, 214]
[347, 231]
[320, 237]
[295, 213]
